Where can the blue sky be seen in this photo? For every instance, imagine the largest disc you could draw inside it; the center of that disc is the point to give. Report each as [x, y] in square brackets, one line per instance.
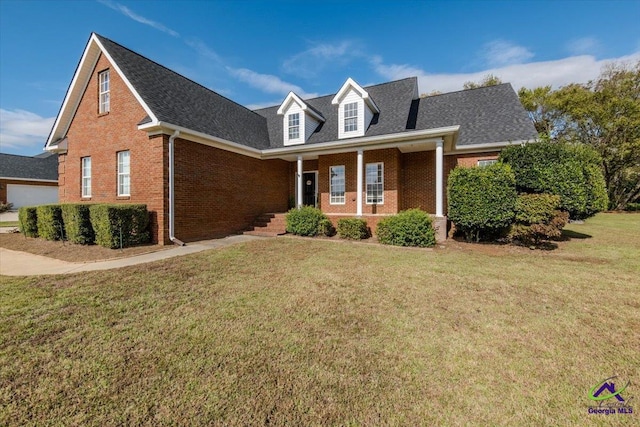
[256, 52]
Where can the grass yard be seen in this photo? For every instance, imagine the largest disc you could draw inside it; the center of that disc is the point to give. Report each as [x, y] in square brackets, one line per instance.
[311, 332]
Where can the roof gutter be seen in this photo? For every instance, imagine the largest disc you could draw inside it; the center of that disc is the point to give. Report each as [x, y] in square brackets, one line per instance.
[172, 209]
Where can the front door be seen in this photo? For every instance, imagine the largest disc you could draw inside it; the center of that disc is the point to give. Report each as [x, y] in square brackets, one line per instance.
[309, 188]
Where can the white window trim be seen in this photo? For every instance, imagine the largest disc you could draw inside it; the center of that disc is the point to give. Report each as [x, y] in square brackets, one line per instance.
[344, 196]
[486, 162]
[352, 117]
[104, 107]
[85, 194]
[366, 190]
[290, 126]
[122, 174]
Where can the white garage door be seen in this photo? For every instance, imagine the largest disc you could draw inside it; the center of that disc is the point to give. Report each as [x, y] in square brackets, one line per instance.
[31, 195]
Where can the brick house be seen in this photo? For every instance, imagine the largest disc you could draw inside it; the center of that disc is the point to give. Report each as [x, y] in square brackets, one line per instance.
[28, 181]
[132, 131]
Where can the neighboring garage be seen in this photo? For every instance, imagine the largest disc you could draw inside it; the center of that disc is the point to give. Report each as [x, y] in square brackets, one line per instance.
[28, 181]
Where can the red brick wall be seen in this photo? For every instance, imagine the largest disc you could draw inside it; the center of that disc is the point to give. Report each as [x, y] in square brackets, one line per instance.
[419, 177]
[4, 182]
[391, 159]
[219, 192]
[101, 136]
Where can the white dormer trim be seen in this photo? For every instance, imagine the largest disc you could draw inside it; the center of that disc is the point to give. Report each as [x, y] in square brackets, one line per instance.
[308, 119]
[78, 87]
[351, 84]
[353, 122]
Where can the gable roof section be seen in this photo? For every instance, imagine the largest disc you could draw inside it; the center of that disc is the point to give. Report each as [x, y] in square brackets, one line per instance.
[166, 96]
[292, 97]
[351, 84]
[38, 168]
[486, 115]
[393, 99]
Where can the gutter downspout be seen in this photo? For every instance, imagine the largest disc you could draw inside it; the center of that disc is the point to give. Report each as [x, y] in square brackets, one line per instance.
[172, 236]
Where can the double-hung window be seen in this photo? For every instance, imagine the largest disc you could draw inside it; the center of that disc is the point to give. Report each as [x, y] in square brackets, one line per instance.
[124, 173]
[86, 177]
[294, 126]
[375, 183]
[483, 163]
[104, 99]
[336, 182]
[351, 117]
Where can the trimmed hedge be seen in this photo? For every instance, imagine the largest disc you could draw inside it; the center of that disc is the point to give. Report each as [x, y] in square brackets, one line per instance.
[305, 221]
[111, 223]
[412, 227]
[633, 207]
[50, 225]
[28, 221]
[573, 172]
[326, 228]
[482, 200]
[537, 219]
[353, 228]
[77, 223]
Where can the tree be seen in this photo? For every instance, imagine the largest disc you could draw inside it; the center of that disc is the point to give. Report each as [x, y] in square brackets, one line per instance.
[488, 80]
[604, 114]
[569, 171]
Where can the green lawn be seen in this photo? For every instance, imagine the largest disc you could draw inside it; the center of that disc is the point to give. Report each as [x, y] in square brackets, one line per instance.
[9, 223]
[307, 332]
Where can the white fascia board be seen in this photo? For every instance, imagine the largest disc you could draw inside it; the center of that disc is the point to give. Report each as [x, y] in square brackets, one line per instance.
[28, 179]
[488, 146]
[86, 61]
[351, 84]
[375, 142]
[126, 81]
[78, 87]
[60, 147]
[202, 138]
[292, 97]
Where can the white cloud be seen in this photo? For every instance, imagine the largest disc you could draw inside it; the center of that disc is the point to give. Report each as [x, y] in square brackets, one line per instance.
[312, 61]
[583, 46]
[203, 50]
[268, 83]
[20, 128]
[560, 72]
[500, 53]
[138, 18]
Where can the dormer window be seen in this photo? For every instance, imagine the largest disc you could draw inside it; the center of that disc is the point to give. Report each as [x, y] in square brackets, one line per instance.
[294, 126]
[356, 110]
[351, 117]
[299, 120]
[104, 89]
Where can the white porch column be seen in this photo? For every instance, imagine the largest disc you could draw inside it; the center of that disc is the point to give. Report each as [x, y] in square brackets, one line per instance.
[359, 184]
[299, 182]
[439, 178]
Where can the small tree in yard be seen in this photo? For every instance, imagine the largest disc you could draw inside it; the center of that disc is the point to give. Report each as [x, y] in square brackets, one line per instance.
[482, 200]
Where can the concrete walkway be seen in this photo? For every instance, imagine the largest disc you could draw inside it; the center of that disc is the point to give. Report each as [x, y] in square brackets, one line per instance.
[14, 263]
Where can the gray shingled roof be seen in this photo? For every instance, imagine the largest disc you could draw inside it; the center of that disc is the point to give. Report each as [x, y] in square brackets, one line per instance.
[393, 99]
[487, 114]
[24, 167]
[177, 100]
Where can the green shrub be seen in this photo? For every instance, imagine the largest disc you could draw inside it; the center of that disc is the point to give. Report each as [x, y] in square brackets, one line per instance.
[304, 221]
[50, 224]
[126, 222]
[353, 228]
[5, 207]
[77, 223]
[571, 171]
[412, 227]
[28, 221]
[537, 219]
[481, 200]
[633, 207]
[326, 228]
